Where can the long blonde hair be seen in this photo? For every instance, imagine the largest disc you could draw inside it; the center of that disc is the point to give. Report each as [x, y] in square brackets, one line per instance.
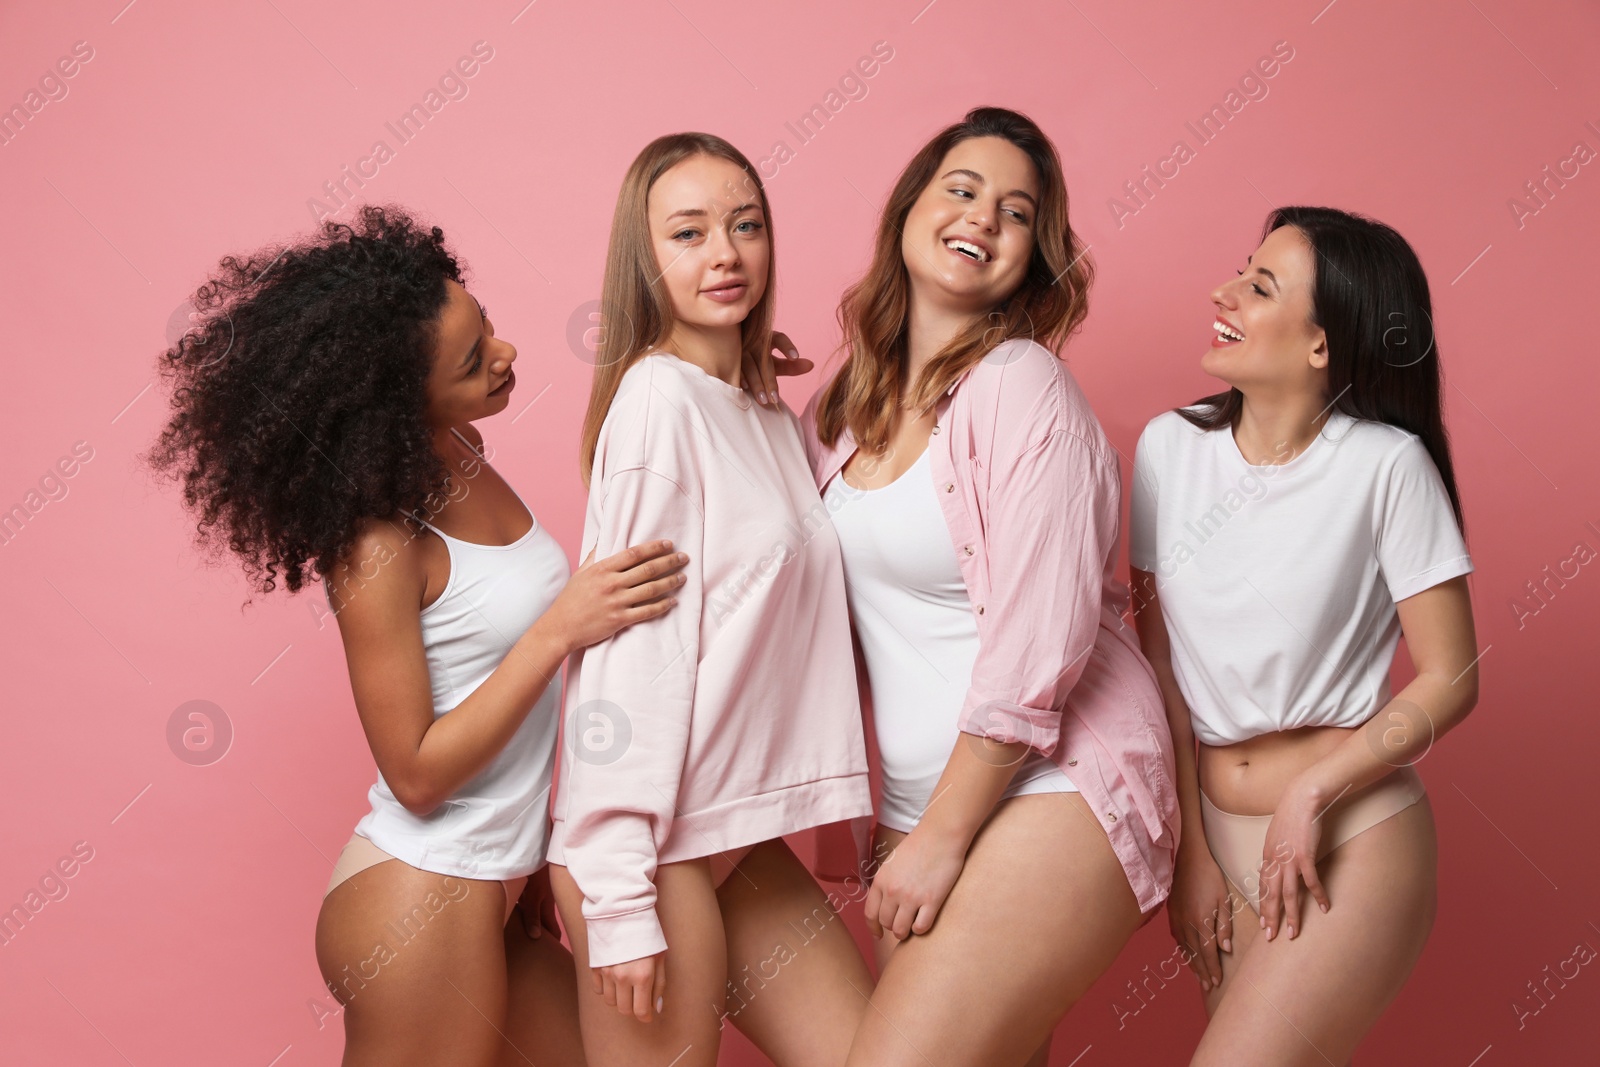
[635, 308]
[875, 313]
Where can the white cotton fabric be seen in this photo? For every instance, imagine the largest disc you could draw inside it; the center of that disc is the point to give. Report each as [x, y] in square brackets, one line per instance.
[919, 638]
[1278, 583]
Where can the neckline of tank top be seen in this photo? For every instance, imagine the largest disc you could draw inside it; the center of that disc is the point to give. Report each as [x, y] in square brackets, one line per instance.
[737, 393]
[532, 529]
[1333, 430]
[856, 491]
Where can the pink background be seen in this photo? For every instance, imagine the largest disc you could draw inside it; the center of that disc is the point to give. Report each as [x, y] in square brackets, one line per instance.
[198, 129]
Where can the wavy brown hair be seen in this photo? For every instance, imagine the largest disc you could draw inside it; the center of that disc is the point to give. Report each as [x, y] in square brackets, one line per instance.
[635, 307]
[874, 314]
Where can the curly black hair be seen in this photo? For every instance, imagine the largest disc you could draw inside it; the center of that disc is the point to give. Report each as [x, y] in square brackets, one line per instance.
[299, 396]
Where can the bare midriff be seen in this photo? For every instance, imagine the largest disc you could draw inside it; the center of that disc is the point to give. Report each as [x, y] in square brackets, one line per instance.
[1248, 777]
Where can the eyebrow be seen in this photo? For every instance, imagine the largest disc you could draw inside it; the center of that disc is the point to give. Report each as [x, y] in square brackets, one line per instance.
[975, 176]
[1269, 274]
[702, 213]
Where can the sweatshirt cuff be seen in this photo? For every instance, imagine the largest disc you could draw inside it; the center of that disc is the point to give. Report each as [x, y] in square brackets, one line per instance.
[622, 938]
[1004, 721]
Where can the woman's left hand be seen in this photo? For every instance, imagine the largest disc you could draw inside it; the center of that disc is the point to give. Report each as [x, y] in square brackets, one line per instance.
[537, 906]
[761, 377]
[1289, 857]
[911, 886]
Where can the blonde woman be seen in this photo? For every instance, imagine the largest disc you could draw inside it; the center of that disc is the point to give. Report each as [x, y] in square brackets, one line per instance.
[695, 741]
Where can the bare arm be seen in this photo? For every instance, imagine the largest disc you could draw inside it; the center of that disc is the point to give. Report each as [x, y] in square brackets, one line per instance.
[423, 759]
[1157, 648]
[1199, 909]
[908, 891]
[1439, 632]
[1437, 623]
[978, 771]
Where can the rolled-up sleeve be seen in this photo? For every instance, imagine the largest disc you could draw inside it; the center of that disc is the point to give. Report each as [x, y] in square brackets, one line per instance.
[629, 728]
[1051, 523]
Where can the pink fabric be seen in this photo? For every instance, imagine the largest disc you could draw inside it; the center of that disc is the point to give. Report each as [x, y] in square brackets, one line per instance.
[733, 718]
[1031, 492]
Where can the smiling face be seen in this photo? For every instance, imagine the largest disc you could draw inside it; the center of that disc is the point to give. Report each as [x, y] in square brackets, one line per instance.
[1263, 334]
[710, 240]
[471, 376]
[968, 238]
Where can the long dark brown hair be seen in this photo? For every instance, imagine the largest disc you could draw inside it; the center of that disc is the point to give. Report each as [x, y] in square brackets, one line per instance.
[635, 307]
[1370, 296]
[874, 314]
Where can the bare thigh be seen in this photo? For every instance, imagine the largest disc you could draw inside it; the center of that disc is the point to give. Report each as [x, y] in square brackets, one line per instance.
[797, 985]
[883, 947]
[686, 1033]
[417, 960]
[1040, 911]
[1311, 999]
[541, 1002]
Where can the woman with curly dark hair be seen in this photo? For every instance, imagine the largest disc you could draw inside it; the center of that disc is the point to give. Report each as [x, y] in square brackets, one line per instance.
[322, 426]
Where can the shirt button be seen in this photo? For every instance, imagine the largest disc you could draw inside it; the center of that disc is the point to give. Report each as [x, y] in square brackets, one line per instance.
[950, 488]
[1073, 762]
[967, 550]
[980, 609]
[1111, 816]
[935, 427]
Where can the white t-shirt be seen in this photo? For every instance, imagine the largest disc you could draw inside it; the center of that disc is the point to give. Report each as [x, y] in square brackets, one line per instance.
[1278, 583]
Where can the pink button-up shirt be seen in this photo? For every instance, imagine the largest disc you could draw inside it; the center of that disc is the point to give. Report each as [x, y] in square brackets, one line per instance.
[1031, 493]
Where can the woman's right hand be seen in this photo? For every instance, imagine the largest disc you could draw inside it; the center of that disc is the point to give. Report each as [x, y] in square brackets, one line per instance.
[637, 988]
[1200, 913]
[761, 375]
[618, 591]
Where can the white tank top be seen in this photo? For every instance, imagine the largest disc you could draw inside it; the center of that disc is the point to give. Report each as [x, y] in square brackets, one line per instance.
[495, 826]
[918, 635]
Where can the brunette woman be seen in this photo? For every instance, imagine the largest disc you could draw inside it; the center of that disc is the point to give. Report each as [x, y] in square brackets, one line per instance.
[1285, 533]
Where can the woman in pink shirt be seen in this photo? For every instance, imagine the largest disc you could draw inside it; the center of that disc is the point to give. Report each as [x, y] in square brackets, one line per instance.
[695, 741]
[1028, 815]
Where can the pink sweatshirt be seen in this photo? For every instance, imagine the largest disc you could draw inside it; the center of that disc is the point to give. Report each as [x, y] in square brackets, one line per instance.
[734, 718]
[1031, 492]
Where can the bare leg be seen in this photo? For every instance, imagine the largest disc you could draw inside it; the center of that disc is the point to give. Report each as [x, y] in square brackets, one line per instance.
[1246, 929]
[687, 1031]
[542, 1004]
[883, 845]
[1311, 1000]
[418, 962]
[799, 986]
[1040, 911]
